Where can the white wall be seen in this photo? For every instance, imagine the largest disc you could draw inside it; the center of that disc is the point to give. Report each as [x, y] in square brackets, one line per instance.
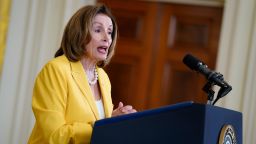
[237, 61]
[34, 35]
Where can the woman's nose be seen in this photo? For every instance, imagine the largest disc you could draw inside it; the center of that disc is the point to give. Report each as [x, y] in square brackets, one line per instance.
[106, 37]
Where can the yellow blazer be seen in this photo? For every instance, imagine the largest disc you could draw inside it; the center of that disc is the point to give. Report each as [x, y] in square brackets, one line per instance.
[63, 105]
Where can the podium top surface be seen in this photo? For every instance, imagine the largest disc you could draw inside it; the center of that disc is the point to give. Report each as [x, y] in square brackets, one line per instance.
[143, 113]
[152, 112]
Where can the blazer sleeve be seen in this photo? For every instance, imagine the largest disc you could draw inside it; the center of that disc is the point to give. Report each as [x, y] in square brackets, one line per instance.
[49, 104]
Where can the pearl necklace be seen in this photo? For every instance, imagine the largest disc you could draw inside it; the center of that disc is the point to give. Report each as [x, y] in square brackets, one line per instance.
[94, 81]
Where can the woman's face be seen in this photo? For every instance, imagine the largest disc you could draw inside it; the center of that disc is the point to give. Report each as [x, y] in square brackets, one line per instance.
[101, 30]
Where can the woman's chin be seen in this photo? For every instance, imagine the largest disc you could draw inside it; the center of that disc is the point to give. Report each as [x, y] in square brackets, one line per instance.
[102, 58]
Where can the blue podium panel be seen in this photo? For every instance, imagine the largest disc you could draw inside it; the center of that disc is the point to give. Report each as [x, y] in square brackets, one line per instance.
[178, 124]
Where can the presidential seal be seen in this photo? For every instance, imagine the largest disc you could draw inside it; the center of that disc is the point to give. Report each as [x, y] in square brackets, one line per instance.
[227, 135]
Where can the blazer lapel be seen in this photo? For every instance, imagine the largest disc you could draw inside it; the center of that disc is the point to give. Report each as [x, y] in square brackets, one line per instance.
[80, 78]
[106, 95]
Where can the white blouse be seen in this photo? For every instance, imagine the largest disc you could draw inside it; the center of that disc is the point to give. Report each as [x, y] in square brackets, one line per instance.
[100, 108]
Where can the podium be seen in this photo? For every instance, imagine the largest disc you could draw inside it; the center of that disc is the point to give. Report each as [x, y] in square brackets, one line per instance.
[181, 123]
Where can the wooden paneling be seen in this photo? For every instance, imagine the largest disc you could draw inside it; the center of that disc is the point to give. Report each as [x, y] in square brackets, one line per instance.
[129, 70]
[183, 29]
[123, 73]
[147, 70]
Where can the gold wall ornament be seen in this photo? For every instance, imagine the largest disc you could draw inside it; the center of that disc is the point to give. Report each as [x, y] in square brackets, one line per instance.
[4, 19]
[227, 135]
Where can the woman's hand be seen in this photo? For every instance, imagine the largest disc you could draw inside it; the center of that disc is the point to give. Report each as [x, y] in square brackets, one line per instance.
[121, 110]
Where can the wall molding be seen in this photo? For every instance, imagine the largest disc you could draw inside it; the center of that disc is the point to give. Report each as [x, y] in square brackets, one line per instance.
[34, 35]
[213, 3]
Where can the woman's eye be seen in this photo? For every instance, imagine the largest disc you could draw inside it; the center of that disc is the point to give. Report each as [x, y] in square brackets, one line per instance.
[97, 30]
[110, 33]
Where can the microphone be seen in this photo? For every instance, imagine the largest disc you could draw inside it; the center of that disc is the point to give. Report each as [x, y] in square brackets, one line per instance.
[197, 65]
[214, 78]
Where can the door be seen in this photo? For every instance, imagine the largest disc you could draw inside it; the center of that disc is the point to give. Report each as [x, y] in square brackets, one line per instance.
[147, 69]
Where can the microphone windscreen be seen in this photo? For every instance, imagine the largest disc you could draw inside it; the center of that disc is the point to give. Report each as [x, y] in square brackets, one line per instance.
[191, 62]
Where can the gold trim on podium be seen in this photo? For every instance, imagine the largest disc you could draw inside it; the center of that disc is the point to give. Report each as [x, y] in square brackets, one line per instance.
[227, 135]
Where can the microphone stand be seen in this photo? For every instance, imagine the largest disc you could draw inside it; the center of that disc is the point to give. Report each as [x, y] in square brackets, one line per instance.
[210, 93]
[223, 91]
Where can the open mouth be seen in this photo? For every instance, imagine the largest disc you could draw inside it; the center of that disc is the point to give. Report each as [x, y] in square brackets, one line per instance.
[102, 49]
